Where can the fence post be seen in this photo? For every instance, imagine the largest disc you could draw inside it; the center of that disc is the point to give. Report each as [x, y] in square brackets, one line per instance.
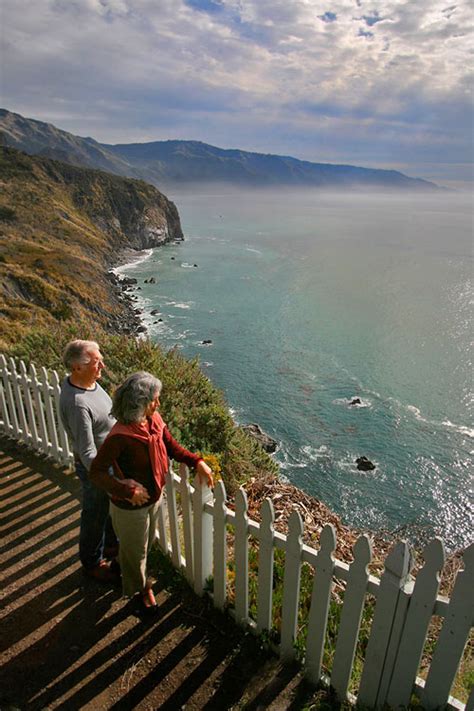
[48, 405]
[66, 454]
[291, 587]
[320, 601]
[202, 523]
[186, 508]
[173, 518]
[36, 387]
[241, 558]
[11, 417]
[352, 609]
[265, 567]
[7, 427]
[452, 639]
[19, 402]
[220, 546]
[389, 617]
[417, 622]
[29, 405]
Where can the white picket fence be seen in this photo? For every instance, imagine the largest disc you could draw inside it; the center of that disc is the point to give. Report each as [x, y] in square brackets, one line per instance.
[192, 530]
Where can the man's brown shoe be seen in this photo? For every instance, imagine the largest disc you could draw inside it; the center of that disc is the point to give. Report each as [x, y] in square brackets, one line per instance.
[102, 573]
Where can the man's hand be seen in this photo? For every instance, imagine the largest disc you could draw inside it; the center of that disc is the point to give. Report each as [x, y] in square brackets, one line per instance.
[205, 473]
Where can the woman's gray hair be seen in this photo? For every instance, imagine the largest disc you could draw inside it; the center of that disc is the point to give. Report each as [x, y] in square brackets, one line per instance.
[131, 399]
[78, 352]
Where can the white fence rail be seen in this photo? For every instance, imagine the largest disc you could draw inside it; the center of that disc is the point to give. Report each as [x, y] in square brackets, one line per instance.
[193, 530]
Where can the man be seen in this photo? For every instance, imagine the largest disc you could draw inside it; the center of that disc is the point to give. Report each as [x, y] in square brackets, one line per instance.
[85, 412]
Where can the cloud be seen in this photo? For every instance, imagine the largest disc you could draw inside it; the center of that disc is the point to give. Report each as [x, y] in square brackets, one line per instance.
[270, 75]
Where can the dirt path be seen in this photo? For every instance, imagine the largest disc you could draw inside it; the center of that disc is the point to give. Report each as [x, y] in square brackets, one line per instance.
[69, 643]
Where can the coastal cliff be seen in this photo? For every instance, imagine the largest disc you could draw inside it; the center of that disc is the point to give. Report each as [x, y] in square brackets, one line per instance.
[61, 228]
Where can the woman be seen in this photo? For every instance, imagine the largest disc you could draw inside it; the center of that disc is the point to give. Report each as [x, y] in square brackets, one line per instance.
[138, 447]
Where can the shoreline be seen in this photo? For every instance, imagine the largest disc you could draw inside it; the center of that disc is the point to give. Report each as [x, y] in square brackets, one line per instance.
[130, 321]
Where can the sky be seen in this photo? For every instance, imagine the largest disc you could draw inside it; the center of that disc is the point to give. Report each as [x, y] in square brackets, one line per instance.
[382, 83]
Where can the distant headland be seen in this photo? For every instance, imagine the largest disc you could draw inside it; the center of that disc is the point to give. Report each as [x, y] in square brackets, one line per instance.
[176, 163]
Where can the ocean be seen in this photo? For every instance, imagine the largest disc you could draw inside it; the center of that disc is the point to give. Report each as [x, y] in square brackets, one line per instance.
[313, 300]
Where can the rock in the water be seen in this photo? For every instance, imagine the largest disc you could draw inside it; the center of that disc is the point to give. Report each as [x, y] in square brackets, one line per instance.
[194, 265]
[154, 312]
[364, 464]
[206, 342]
[172, 258]
[265, 441]
[355, 401]
[152, 280]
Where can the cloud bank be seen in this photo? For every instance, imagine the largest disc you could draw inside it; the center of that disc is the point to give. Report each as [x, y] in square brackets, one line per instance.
[383, 84]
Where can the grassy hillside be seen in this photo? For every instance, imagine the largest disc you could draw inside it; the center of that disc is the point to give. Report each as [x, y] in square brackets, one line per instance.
[59, 227]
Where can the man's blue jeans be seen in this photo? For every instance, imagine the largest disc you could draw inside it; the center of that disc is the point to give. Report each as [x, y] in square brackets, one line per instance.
[96, 526]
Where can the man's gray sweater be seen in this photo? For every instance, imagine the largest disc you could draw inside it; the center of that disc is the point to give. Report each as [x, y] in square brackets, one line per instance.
[86, 417]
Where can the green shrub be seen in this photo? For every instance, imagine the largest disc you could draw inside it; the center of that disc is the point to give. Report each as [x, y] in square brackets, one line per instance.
[195, 411]
[7, 214]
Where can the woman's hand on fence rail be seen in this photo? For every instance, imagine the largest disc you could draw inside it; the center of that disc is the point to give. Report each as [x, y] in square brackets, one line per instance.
[205, 473]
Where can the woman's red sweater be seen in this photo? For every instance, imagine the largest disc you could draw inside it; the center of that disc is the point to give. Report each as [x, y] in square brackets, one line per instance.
[133, 458]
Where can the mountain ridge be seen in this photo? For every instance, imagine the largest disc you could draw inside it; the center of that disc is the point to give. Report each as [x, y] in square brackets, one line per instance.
[173, 163]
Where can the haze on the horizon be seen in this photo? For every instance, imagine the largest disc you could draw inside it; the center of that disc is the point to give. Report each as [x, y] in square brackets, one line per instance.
[383, 84]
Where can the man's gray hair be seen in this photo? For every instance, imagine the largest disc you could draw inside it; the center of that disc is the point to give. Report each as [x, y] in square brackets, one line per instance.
[133, 397]
[78, 352]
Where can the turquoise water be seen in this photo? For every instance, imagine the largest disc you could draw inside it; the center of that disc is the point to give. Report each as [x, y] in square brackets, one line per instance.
[311, 300]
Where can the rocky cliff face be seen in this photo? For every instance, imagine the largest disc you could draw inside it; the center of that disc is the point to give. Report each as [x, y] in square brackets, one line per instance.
[131, 213]
[61, 227]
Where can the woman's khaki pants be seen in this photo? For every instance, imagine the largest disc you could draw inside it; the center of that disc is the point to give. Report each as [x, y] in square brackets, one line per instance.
[136, 531]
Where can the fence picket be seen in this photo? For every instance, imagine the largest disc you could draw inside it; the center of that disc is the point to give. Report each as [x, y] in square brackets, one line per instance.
[6, 420]
[452, 638]
[66, 454]
[10, 400]
[19, 405]
[173, 518]
[241, 557]
[397, 571]
[416, 626]
[220, 546]
[48, 405]
[185, 491]
[353, 606]
[37, 387]
[320, 600]
[202, 522]
[291, 586]
[162, 534]
[30, 413]
[265, 567]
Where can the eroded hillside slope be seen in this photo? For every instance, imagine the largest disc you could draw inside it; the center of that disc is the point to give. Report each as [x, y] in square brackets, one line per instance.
[60, 227]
